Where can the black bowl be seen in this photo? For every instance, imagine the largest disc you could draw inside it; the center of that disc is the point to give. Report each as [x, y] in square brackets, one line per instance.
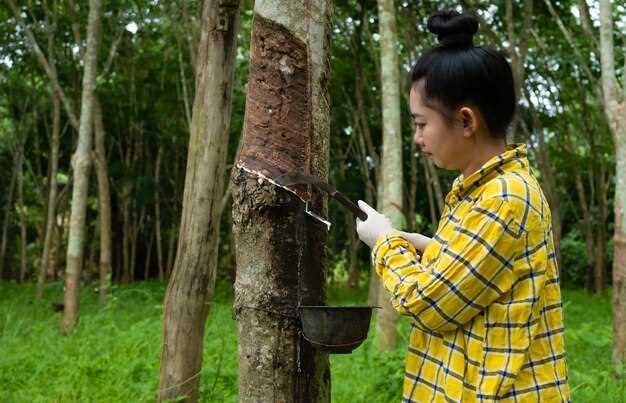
[335, 329]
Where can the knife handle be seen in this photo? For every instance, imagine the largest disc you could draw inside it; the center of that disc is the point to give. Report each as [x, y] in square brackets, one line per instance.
[350, 205]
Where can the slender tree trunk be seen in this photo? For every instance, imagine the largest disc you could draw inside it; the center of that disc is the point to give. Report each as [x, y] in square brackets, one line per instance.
[125, 197]
[410, 225]
[157, 212]
[615, 109]
[518, 49]
[353, 242]
[390, 198]
[280, 249]
[51, 266]
[171, 243]
[104, 203]
[22, 213]
[17, 163]
[600, 272]
[436, 182]
[146, 267]
[430, 193]
[52, 194]
[549, 182]
[191, 286]
[81, 162]
[587, 230]
[47, 67]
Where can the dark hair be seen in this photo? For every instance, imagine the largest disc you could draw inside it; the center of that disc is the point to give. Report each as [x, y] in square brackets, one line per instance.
[456, 72]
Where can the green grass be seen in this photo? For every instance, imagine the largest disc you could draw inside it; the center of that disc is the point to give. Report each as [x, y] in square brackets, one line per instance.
[113, 356]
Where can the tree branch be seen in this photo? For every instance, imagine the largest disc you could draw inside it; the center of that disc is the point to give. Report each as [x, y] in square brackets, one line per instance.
[570, 40]
[41, 58]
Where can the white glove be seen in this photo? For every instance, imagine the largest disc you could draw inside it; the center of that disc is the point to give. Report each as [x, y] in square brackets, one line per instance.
[372, 228]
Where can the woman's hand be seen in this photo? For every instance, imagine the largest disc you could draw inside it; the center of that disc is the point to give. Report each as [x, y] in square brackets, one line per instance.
[418, 240]
[372, 228]
[377, 224]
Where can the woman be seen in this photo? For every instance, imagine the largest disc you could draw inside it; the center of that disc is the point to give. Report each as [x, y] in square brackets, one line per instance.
[483, 294]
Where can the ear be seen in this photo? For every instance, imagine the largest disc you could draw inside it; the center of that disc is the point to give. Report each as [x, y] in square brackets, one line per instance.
[469, 121]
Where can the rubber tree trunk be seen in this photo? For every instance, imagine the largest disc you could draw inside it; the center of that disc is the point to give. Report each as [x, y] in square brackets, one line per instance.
[104, 203]
[81, 162]
[390, 197]
[615, 109]
[191, 285]
[279, 248]
[52, 195]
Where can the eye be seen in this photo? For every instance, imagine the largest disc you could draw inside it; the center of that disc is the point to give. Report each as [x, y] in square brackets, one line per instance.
[420, 125]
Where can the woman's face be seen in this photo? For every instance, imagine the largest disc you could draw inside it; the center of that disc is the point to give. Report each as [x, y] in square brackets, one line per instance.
[439, 140]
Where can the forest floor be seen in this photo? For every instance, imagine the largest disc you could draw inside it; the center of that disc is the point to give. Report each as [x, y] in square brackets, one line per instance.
[113, 356]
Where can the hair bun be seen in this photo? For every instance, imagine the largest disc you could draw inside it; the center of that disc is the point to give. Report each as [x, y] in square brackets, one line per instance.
[453, 29]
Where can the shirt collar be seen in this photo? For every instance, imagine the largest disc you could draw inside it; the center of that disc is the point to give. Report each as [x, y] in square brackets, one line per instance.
[513, 158]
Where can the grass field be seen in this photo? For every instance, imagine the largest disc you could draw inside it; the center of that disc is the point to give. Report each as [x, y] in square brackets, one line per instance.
[113, 356]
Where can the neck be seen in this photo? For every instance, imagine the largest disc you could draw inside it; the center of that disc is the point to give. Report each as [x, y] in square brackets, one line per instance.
[484, 152]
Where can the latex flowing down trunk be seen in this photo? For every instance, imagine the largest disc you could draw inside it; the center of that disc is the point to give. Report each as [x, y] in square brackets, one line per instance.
[192, 282]
[280, 250]
[81, 162]
[615, 109]
[390, 196]
[104, 204]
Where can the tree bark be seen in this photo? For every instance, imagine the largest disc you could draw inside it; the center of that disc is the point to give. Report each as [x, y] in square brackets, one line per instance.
[81, 162]
[615, 109]
[280, 250]
[390, 199]
[104, 203]
[191, 286]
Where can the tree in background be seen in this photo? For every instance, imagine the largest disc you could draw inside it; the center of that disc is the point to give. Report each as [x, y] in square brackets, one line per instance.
[81, 162]
[615, 109]
[390, 195]
[280, 250]
[191, 285]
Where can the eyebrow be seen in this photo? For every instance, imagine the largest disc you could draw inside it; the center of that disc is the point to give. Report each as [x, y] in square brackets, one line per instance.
[416, 115]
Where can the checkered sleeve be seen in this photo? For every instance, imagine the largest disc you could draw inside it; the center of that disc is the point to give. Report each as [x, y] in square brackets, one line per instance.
[473, 269]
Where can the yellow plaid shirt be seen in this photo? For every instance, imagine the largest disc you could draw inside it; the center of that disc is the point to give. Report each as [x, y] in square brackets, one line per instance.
[484, 299]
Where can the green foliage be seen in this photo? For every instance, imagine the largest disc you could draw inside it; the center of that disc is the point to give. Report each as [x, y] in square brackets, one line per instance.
[113, 356]
[588, 338]
[574, 256]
